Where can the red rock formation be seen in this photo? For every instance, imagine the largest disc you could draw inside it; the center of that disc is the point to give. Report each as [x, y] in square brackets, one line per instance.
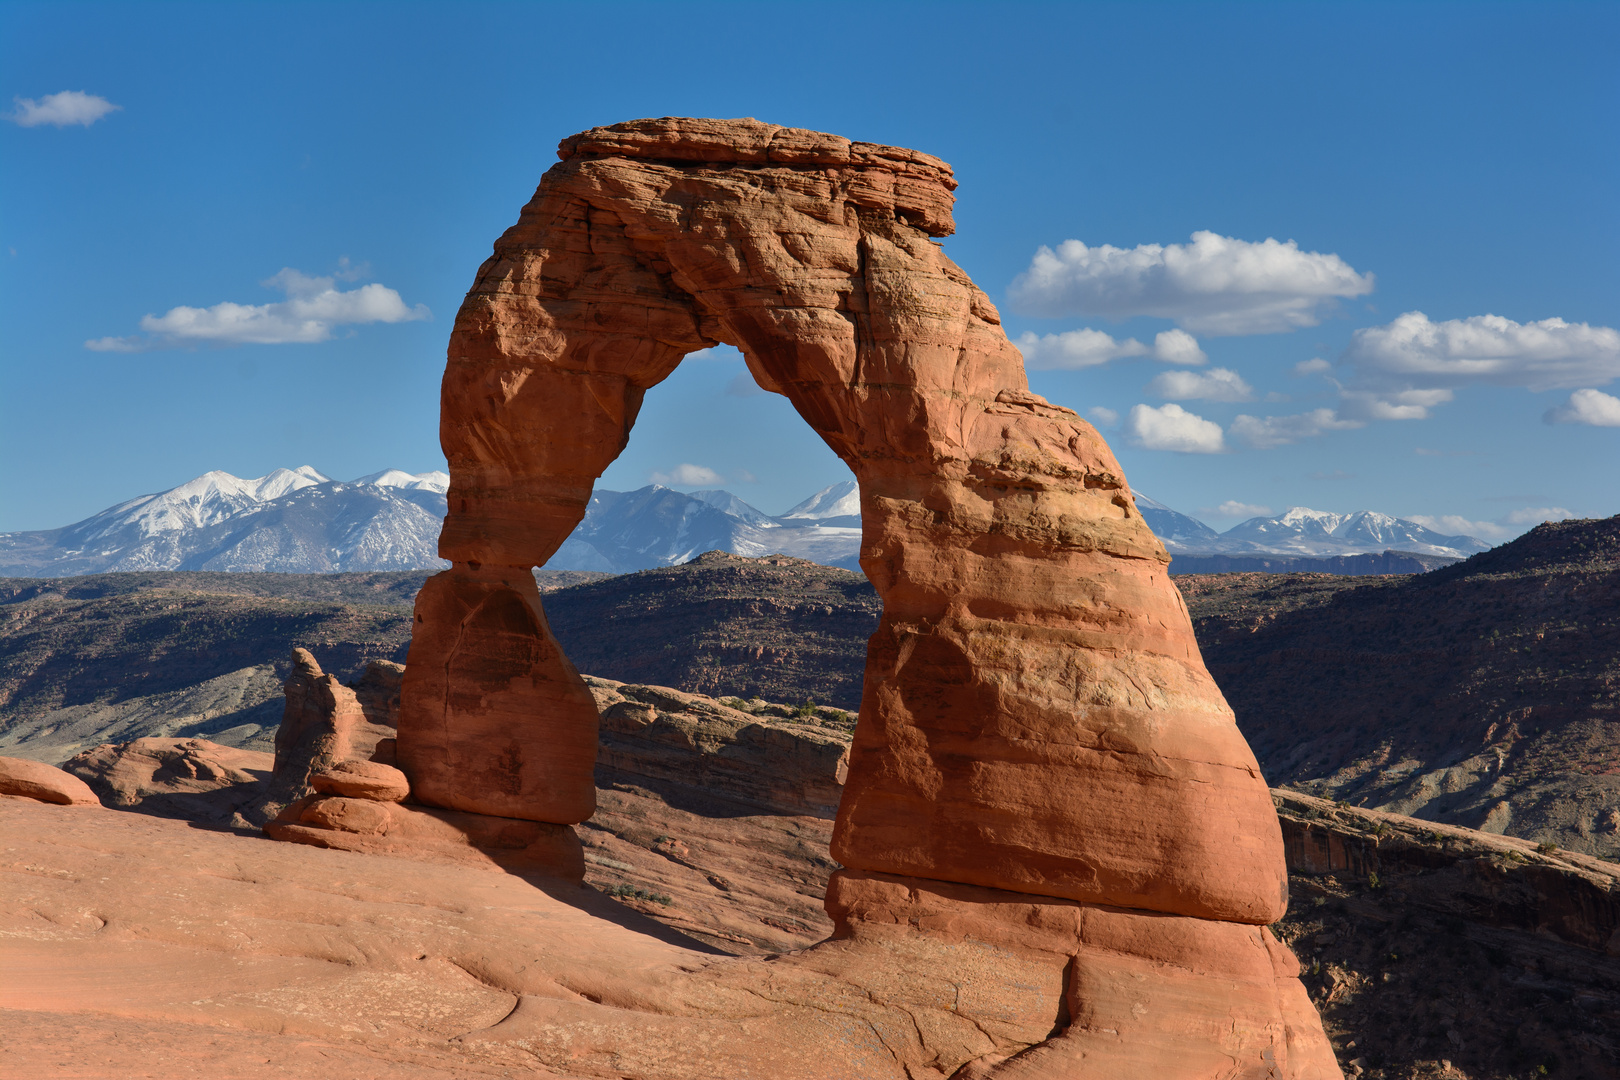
[1036, 715]
[494, 719]
[324, 722]
[362, 780]
[1147, 994]
[24, 779]
[194, 779]
[375, 827]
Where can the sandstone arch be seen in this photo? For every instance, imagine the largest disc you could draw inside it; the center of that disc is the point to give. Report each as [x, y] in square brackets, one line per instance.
[1042, 762]
[1036, 714]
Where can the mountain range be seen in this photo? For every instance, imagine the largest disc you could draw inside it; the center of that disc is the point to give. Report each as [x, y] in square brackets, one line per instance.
[1303, 532]
[656, 526]
[290, 521]
[300, 521]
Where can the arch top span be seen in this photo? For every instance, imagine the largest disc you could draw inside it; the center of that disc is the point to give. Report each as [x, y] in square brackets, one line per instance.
[1036, 715]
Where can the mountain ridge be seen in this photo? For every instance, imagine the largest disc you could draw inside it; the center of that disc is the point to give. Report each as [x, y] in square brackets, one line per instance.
[302, 521]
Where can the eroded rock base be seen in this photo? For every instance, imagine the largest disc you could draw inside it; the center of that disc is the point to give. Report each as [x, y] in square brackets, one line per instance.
[1142, 993]
[388, 828]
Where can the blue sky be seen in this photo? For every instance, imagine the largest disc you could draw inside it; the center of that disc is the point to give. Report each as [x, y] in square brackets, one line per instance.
[1454, 160]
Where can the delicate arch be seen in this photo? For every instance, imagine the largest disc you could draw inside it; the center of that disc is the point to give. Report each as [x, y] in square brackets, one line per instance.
[1036, 716]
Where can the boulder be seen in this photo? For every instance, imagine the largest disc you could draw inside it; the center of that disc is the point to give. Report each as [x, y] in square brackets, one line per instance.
[362, 780]
[26, 779]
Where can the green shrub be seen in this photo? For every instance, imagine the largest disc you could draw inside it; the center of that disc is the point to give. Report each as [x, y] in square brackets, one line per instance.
[626, 891]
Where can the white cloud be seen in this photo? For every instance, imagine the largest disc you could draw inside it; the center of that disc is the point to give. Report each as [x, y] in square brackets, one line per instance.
[1177, 347]
[1215, 285]
[1546, 355]
[688, 475]
[1231, 508]
[1274, 431]
[1592, 407]
[60, 110]
[1216, 384]
[1084, 348]
[1103, 416]
[312, 308]
[1312, 367]
[1392, 404]
[1457, 525]
[1170, 427]
[1075, 349]
[1537, 515]
[1503, 528]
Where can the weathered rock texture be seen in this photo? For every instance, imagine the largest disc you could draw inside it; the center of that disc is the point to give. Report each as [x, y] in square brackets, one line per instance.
[362, 780]
[192, 779]
[653, 732]
[1036, 713]
[324, 723]
[371, 826]
[1035, 718]
[26, 779]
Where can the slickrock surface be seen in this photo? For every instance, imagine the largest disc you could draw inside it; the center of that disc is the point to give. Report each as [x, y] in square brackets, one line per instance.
[139, 936]
[1469, 981]
[429, 833]
[1036, 715]
[26, 779]
[191, 779]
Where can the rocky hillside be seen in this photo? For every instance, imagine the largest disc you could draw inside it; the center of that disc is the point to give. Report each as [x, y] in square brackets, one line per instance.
[777, 628]
[1486, 694]
[113, 657]
[1482, 695]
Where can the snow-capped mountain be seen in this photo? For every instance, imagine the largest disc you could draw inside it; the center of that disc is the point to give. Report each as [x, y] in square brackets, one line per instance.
[656, 526]
[1177, 531]
[1303, 532]
[300, 521]
[291, 521]
[839, 504]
